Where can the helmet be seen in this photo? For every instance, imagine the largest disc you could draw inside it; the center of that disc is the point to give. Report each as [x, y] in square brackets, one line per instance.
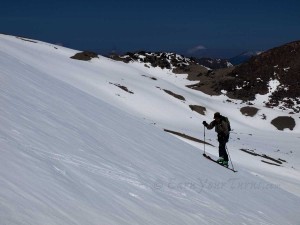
[217, 115]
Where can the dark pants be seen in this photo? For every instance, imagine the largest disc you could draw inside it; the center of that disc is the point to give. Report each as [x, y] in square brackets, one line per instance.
[222, 146]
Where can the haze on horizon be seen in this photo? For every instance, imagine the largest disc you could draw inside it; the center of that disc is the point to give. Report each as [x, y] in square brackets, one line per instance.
[194, 28]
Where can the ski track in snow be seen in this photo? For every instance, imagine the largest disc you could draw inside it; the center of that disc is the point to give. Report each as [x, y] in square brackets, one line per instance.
[80, 163]
[106, 171]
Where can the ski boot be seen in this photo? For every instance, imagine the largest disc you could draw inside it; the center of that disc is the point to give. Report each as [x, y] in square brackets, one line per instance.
[220, 160]
[225, 163]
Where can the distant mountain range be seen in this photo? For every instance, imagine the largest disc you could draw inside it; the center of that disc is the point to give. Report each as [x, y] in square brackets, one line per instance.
[243, 57]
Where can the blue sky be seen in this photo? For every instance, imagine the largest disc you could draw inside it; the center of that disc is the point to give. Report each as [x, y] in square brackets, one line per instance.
[190, 27]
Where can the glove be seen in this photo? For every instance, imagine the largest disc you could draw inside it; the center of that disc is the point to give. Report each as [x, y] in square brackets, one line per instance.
[204, 123]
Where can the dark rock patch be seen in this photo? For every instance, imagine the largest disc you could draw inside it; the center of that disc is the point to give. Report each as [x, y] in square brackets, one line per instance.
[122, 87]
[28, 40]
[270, 158]
[187, 137]
[249, 111]
[210, 81]
[282, 160]
[283, 122]
[199, 109]
[250, 152]
[85, 56]
[193, 70]
[180, 97]
[152, 78]
[270, 163]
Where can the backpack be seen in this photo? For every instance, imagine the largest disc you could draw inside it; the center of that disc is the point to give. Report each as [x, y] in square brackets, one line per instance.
[224, 118]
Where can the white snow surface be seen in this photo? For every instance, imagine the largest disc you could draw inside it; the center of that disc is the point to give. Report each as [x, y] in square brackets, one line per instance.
[76, 149]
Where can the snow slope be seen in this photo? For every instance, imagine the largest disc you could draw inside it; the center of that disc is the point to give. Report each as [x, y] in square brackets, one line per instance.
[76, 149]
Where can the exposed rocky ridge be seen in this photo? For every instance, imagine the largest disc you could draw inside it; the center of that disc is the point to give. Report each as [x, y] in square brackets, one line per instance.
[171, 60]
[213, 63]
[275, 72]
[157, 59]
[280, 65]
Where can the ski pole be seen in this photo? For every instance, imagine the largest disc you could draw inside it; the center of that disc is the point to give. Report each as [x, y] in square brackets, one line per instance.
[204, 140]
[229, 156]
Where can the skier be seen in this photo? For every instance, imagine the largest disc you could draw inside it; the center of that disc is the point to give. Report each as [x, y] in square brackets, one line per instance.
[222, 127]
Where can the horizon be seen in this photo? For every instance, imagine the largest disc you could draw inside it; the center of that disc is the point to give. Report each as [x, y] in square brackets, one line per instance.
[191, 28]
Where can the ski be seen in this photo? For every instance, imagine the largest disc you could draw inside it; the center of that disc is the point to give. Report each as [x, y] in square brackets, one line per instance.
[208, 157]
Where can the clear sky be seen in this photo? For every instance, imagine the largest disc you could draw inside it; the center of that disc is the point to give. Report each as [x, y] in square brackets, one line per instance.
[190, 27]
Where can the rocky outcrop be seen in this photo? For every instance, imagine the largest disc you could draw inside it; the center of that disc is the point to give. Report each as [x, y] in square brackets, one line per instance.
[283, 122]
[214, 63]
[249, 111]
[158, 59]
[85, 56]
[276, 72]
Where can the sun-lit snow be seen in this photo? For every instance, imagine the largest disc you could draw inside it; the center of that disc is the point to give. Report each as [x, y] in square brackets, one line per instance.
[76, 149]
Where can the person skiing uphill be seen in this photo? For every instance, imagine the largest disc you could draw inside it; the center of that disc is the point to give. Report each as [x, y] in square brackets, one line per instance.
[222, 127]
